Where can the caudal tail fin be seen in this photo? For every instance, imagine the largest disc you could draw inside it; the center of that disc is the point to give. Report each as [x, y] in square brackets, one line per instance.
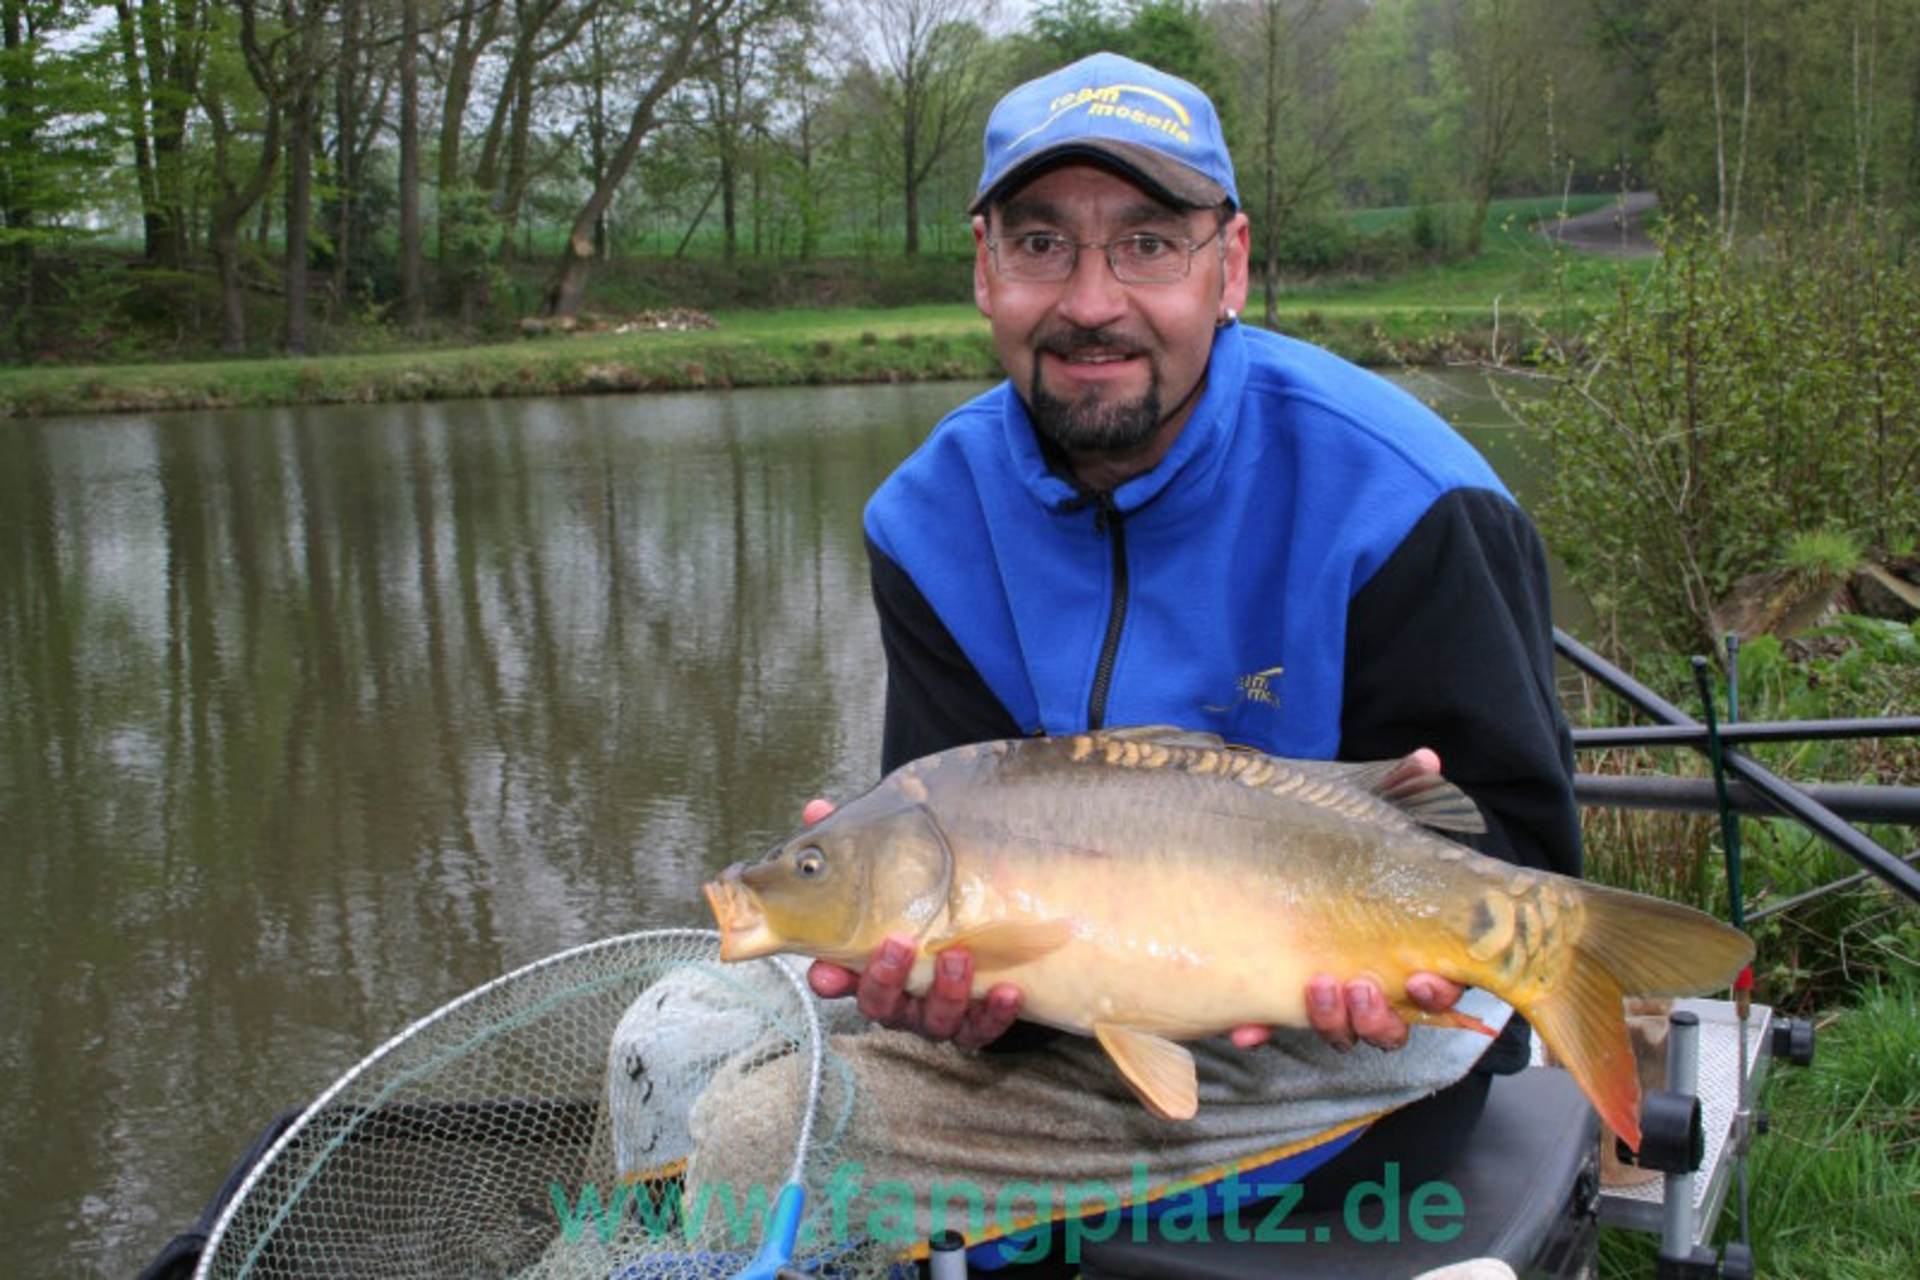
[1628, 945]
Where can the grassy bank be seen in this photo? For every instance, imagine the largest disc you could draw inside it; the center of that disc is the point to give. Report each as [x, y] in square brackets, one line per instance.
[783, 348]
[1516, 288]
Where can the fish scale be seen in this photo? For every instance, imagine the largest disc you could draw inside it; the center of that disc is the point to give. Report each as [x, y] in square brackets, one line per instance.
[1148, 886]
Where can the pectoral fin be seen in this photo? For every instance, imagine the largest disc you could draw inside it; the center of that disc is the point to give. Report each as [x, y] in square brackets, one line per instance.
[1007, 943]
[1157, 1069]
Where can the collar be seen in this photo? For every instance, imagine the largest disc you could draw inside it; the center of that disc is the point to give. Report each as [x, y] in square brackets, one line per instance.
[1183, 477]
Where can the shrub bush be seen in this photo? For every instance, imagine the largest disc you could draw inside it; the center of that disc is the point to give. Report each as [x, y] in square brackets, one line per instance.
[1733, 401]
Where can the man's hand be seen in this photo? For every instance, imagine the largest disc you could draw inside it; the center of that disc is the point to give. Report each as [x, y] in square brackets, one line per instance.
[1359, 1010]
[945, 1012]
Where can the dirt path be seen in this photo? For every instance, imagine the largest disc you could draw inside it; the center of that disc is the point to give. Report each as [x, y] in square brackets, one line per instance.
[1618, 229]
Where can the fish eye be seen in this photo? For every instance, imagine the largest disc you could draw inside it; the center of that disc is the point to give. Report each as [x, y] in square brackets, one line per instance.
[810, 862]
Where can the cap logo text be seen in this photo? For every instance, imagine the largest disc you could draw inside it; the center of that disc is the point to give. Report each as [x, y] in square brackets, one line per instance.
[1105, 101]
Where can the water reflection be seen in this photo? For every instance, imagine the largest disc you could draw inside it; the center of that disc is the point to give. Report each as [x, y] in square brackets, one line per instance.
[312, 720]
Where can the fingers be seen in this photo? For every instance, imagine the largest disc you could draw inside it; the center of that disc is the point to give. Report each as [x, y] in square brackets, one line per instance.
[946, 1012]
[945, 1003]
[1251, 1036]
[829, 981]
[1356, 1011]
[1327, 1012]
[989, 1019]
[882, 994]
[1423, 762]
[1372, 1017]
[1434, 993]
[816, 809]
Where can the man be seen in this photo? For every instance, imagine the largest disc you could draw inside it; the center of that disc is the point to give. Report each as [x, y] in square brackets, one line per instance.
[1165, 517]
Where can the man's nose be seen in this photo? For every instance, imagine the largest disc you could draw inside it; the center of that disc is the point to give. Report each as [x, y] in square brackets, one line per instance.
[1092, 297]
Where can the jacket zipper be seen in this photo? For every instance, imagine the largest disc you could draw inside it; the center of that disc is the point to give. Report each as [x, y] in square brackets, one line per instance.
[1107, 520]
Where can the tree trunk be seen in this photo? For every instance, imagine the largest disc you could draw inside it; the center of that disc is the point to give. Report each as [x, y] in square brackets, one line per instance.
[154, 226]
[16, 148]
[1482, 201]
[1270, 203]
[1746, 111]
[597, 137]
[346, 171]
[412, 297]
[569, 287]
[16, 96]
[519, 137]
[1719, 120]
[299, 211]
[233, 306]
[229, 210]
[172, 100]
[475, 34]
[699, 216]
[911, 192]
[728, 215]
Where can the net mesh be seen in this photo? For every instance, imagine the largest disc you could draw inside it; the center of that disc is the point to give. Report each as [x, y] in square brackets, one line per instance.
[543, 1125]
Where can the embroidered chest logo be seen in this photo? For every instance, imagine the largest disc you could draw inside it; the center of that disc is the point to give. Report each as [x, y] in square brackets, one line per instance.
[1255, 687]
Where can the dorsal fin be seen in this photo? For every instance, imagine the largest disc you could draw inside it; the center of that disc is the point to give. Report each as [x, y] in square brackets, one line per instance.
[1167, 735]
[1425, 798]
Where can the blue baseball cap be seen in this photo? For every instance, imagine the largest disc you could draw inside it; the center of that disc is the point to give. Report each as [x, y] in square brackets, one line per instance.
[1157, 129]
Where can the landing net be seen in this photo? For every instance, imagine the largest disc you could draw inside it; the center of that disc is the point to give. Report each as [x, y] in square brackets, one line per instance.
[544, 1125]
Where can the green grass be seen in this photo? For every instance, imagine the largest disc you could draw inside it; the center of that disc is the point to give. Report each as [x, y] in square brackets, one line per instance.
[1835, 1184]
[1515, 264]
[752, 349]
[1525, 209]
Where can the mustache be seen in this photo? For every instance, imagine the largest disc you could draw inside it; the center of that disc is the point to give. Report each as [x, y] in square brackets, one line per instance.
[1073, 340]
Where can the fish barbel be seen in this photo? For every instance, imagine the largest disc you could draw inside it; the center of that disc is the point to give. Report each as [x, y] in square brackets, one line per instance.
[1148, 886]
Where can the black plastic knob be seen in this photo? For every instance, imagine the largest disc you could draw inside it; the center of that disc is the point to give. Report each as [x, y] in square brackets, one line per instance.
[1793, 1041]
[1672, 1137]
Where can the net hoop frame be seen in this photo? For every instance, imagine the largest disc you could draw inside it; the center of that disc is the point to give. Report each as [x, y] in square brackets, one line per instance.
[210, 1252]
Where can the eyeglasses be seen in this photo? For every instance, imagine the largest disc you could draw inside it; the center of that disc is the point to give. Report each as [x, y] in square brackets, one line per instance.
[1047, 257]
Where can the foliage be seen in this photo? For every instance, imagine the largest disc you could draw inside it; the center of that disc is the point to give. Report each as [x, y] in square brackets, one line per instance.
[1733, 399]
[1774, 100]
[1822, 554]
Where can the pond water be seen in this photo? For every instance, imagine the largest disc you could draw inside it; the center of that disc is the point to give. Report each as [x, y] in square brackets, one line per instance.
[313, 719]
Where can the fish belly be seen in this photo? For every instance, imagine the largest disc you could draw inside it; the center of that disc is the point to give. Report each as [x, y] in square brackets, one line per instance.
[1169, 947]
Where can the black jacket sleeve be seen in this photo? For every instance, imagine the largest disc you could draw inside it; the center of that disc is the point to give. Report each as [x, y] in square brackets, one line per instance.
[1450, 646]
[935, 698]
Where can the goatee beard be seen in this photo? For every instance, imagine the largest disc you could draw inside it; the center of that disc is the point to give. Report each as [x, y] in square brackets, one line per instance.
[1091, 424]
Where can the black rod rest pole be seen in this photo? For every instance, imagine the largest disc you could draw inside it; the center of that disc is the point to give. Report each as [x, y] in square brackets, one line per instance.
[1898, 806]
[1674, 735]
[1783, 795]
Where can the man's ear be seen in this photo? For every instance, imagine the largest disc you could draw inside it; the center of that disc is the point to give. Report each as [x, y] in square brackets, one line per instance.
[982, 297]
[1239, 242]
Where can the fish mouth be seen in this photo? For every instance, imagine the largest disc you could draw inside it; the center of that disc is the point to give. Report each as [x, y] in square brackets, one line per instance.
[744, 933]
